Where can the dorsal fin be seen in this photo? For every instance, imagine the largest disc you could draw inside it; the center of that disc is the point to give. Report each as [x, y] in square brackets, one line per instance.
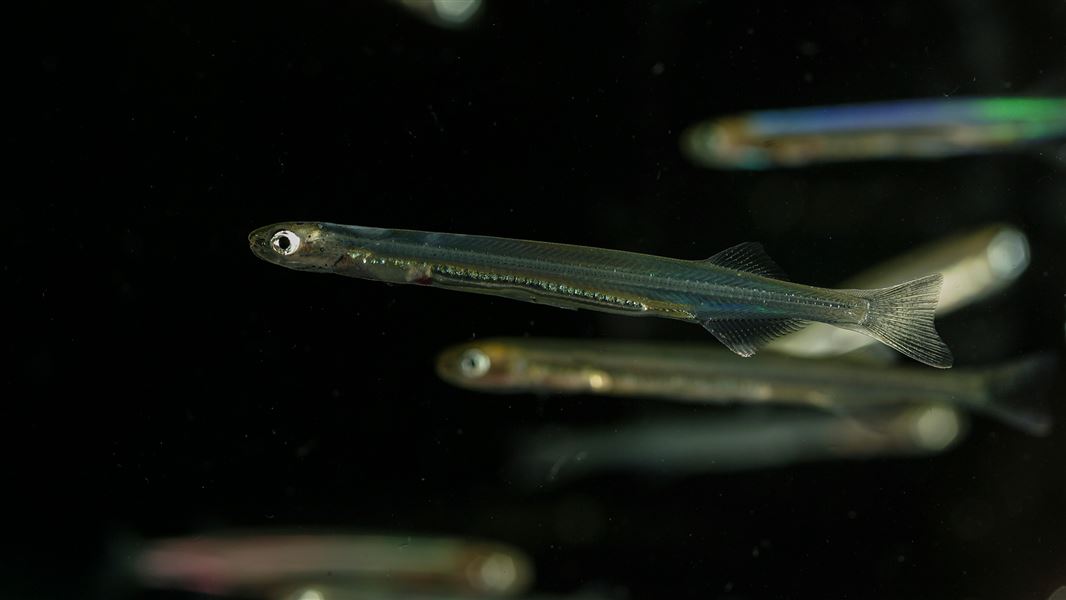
[749, 257]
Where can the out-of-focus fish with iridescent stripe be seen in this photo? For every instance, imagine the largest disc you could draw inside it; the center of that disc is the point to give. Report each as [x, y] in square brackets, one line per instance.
[902, 129]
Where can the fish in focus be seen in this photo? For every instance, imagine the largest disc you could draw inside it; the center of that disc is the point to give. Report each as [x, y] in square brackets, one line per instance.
[901, 129]
[740, 295]
[1012, 393]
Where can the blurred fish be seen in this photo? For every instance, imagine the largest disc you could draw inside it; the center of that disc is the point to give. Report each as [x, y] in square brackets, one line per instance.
[336, 592]
[1059, 594]
[255, 562]
[974, 265]
[739, 294]
[697, 373]
[442, 13]
[928, 128]
[738, 442]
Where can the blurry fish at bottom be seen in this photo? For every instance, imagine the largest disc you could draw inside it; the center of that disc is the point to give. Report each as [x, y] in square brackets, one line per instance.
[263, 562]
[335, 592]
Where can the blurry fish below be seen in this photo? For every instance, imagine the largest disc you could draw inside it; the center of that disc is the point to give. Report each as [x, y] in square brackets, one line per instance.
[263, 561]
[739, 442]
[336, 592]
[739, 295]
[698, 373]
[975, 265]
[900, 129]
[443, 13]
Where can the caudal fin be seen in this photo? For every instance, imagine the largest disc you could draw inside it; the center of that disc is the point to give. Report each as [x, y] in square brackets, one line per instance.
[1016, 393]
[901, 317]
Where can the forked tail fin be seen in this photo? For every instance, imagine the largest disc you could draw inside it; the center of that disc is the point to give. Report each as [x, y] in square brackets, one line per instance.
[1016, 393]
[901, 317]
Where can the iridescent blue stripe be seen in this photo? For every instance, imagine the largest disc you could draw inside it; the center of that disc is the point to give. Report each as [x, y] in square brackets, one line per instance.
[878, 115]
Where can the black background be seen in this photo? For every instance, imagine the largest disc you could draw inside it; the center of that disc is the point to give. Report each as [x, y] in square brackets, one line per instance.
[163, 381]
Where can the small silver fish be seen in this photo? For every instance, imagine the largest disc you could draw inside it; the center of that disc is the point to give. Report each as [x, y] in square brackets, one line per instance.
[740, 295]
[1012, 393]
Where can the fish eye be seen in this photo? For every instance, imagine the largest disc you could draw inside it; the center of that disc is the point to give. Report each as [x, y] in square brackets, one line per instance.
[474, 363]
[285, 242]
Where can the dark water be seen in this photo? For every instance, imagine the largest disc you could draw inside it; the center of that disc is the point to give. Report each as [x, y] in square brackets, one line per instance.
[163, 381]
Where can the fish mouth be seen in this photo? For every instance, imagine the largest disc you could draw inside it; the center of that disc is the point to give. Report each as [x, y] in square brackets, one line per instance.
[259, 242]
[445, 366]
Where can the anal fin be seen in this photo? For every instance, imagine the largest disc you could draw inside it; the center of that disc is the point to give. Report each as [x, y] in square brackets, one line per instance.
[746, 336]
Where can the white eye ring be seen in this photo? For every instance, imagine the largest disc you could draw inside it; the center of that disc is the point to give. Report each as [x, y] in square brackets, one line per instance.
[474, 363]
[285, 242]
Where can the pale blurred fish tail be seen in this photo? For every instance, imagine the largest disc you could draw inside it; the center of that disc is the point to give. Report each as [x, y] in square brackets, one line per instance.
[901, 317]
[1015, 392]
